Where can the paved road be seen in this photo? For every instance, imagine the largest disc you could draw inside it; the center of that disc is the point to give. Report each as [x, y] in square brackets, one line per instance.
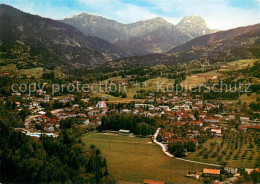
[164, 148]
[29, 119]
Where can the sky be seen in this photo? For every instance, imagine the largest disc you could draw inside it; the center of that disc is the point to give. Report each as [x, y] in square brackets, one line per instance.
[219, 14]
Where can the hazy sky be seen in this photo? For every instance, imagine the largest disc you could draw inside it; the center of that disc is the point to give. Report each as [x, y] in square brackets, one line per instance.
[219, 14]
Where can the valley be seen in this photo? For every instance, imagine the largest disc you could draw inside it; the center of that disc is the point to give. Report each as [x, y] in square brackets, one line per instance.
[85, 98]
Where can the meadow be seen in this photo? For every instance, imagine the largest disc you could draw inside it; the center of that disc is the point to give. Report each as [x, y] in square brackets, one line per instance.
[35, 72]
[132, 159]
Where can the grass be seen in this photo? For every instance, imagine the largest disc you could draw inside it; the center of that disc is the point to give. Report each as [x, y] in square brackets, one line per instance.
[240, 64]
[150, 85]
[132, 159]
[249, 99]
[36, 72]
[198, 79]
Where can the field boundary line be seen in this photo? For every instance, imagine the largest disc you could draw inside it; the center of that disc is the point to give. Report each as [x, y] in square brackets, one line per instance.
[118, 141]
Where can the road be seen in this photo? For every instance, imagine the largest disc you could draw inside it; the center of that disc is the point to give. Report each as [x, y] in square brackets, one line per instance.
[164, 148]
[28, 120]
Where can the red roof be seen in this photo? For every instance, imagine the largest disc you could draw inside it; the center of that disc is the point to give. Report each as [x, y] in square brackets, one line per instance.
[196, 122]
[178, 123]
[167, 134]
[147, 181]
[43, 117]
[211, 171]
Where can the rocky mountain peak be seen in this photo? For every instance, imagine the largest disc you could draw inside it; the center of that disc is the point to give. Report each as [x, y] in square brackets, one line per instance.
[194, 25]
[192, 22]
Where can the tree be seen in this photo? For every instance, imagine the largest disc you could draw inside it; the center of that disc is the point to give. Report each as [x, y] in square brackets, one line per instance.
[24, 113]
[177, 149]
[124, 95]
[255, 176]
[190, 146]
[196, 115]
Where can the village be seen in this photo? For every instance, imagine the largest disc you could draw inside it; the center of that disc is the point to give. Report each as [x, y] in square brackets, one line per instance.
[185, 118]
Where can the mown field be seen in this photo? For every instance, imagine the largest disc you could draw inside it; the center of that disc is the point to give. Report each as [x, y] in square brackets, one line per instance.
[151, 84]
[35, 72]
[237, 151]
[197, 79]
[132, 159]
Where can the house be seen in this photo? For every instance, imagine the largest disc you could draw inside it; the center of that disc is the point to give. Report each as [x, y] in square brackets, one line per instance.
[82, 115]
[167, 135]
[243, 127]
[211, 171]
[244, 119]
[43, 118]
[143, 105]
[216, 132]
[196, 123]
[125, 111]
[47, 98]
[123, 132]
[49, 128]
[211, 119]
[93, 112]
[40, 92]
[230, 169]
[86, 100]
[75, 106]
[101, 104]
[147, 181]
[254, 123]
[26, 97]
[231, 117]
[17, 104]
[85, 122]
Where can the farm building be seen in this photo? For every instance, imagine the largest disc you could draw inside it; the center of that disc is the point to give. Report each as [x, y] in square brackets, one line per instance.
[147, 181]
[123, 132]
[211, 171]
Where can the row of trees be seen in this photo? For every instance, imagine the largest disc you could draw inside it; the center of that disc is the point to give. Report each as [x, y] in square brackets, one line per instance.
[137, 124]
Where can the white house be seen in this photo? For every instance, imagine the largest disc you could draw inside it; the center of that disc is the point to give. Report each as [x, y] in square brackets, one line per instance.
[230, 169]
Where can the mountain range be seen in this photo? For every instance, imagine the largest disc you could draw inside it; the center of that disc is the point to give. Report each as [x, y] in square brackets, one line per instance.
[92, 41]
[142, 37]
[223, 46]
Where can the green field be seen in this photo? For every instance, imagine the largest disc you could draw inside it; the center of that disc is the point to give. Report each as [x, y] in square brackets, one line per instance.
[197, 79]
[149, 85]
[132, 159]
[240, 64]
[36, 72]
